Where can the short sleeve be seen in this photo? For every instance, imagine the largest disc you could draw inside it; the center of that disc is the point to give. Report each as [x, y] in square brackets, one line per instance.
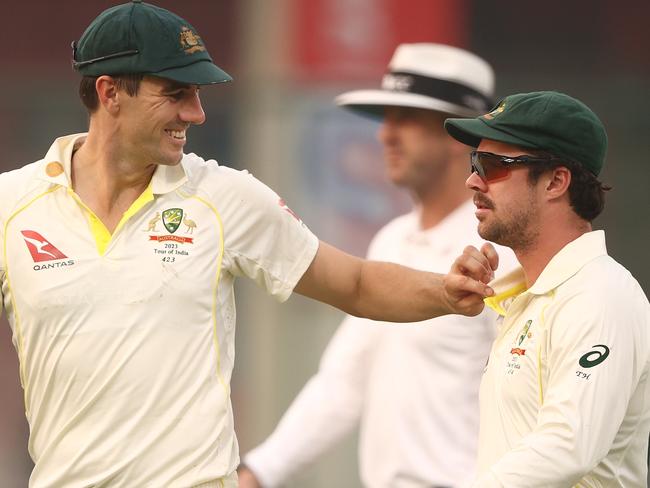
[263, 238]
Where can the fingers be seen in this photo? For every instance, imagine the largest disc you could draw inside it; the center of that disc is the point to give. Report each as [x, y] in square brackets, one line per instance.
[490, 253]
[465, 295]
[475, 264]
[463, 285]
[466, 283]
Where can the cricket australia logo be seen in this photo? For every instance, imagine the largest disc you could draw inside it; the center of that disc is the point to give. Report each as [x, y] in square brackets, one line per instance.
[172, 218]
[524, 333]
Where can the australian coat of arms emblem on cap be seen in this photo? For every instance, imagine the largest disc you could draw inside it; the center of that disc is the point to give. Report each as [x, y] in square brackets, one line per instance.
[496, 111]
[190, 41]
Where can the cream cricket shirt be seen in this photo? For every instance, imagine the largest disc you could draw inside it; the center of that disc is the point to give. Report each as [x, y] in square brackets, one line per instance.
[126, 342]
[565, 398]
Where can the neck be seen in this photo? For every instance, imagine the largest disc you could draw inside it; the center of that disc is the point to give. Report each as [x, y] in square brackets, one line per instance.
[105, 180]
[552, 237]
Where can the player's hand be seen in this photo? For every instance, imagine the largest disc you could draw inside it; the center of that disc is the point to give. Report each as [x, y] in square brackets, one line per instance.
[247, 478]
[465, 285]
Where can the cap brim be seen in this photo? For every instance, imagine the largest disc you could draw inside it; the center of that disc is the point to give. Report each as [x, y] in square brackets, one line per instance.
[472, 131]
[202, 72]
[372, 103]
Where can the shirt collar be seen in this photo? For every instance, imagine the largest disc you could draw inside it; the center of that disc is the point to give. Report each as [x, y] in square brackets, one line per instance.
[57, 165]
[566, 263]
[570, 260]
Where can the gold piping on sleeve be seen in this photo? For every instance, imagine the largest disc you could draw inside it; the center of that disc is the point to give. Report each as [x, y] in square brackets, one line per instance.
[215, 288]
[539, 351]
[19, 333]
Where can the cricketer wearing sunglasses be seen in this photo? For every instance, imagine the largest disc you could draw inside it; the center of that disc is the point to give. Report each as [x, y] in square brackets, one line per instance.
[565, 396]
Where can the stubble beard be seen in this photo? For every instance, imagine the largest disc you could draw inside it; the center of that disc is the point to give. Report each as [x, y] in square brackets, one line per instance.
[519, 231]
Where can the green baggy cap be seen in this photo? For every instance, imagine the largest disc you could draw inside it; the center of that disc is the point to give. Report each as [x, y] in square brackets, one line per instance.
[139, 38]
[545, 120]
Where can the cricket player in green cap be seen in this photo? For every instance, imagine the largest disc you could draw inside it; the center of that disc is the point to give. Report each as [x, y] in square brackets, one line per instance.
[565, 396]
[119, 253]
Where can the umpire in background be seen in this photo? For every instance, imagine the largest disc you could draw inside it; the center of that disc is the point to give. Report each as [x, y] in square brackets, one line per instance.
[412, 391]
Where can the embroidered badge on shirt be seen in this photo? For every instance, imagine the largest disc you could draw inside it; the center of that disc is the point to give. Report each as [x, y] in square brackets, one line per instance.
[172, 219]
[517, 351]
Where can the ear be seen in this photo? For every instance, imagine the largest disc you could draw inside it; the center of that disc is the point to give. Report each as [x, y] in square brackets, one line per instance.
[108, 93]
[557, 182]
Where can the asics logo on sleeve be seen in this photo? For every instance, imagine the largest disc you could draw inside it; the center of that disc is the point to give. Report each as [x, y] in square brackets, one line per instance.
[40, 248]
[594, 357]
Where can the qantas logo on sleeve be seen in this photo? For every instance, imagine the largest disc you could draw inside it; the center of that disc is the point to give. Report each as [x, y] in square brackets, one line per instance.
[43, 250]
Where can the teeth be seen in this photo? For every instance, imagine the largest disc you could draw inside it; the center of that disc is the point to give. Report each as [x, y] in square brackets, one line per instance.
[177, 134]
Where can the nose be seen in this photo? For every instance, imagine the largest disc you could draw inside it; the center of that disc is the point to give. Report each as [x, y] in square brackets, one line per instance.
[386, 131]
[475, 183]
[192, 110]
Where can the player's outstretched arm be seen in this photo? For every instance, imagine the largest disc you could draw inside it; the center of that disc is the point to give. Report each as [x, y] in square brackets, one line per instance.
[390, 292]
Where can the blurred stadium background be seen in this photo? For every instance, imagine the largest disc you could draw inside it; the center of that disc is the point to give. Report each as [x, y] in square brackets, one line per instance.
[289, 59]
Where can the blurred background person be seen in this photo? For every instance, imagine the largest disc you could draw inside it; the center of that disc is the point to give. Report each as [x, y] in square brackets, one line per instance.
[413, 390]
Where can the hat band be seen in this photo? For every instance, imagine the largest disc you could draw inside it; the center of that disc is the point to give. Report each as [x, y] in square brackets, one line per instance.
[80, 64]
[446, 90]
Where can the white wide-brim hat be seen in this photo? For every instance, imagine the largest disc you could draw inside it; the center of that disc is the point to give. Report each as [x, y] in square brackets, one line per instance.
[430, 76]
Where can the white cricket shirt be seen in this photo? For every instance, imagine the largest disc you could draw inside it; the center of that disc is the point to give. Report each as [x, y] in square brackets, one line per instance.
[413, 387]
[126, 342]
[565, 398]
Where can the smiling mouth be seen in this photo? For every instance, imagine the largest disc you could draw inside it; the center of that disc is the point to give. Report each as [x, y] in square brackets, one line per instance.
[176, 134]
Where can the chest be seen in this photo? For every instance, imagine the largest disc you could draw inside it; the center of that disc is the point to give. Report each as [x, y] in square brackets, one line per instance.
[55, 256]
[517, 364]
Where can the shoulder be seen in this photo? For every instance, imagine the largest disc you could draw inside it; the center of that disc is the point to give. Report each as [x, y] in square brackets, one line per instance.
[241, 200]
[211, 179]
[605, 294]
[605, 280]
[18, 185]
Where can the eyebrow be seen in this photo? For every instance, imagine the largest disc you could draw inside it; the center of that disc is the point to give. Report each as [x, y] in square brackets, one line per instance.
[171, 85]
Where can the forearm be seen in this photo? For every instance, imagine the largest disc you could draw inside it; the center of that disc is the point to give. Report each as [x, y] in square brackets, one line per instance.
[395, 293]
[390, 292]
[539, 461]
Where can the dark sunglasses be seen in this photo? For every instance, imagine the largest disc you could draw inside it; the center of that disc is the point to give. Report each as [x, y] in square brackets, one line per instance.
[492, 167]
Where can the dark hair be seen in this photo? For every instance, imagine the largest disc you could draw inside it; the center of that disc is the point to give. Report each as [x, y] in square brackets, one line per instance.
[586, 193]
[129, 83]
